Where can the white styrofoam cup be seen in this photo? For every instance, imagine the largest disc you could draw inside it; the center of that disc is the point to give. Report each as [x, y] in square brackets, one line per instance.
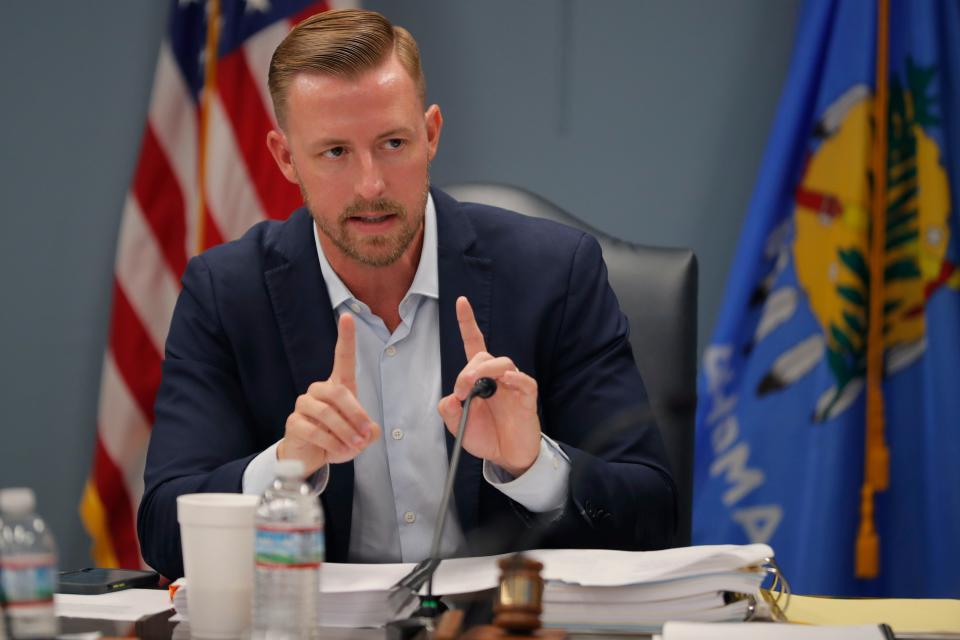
[216, 532]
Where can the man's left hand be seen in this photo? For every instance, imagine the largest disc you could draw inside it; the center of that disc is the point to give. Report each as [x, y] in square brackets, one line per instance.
[505, 428]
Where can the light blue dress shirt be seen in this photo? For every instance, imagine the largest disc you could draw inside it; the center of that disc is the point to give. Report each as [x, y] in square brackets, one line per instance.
[398, 479]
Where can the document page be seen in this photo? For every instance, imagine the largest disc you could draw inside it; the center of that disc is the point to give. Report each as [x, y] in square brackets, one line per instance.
[772, 631]
[605, 568]
[128, 605]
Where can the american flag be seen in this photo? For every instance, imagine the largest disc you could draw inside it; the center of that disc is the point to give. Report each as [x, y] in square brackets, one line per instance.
[204, 176]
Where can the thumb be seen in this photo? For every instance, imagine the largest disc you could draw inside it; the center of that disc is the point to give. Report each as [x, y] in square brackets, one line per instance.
[450, 410]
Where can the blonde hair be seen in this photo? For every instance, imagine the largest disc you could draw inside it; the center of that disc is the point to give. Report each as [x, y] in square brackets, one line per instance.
[343, 43]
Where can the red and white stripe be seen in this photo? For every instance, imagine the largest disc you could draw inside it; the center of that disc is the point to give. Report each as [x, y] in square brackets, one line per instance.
[160, 230]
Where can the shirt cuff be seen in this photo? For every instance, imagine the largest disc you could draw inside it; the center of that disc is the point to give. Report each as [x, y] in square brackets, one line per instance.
[261, 471]
[541, 488]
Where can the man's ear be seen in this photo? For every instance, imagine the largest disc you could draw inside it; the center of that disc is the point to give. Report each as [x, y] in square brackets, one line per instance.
[434, 122]
[280, 150]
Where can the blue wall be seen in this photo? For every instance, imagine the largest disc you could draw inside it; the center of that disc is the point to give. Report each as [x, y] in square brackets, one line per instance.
[645, 118]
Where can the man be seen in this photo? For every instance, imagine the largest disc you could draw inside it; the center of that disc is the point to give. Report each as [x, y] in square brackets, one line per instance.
[347, 336]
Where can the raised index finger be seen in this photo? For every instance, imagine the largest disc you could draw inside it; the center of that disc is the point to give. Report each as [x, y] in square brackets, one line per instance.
[345, 354]
[473, 342]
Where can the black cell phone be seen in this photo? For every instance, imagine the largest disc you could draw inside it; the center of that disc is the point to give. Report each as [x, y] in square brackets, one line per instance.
[93, 581]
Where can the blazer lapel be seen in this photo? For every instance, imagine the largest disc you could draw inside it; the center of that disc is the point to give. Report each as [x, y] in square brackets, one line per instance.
[461, 274]
[308, 329]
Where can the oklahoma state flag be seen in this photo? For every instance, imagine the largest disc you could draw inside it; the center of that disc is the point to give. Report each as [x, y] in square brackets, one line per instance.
[829, 416]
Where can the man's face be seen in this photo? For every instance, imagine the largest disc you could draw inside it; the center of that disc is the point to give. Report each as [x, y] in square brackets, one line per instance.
[360, 149]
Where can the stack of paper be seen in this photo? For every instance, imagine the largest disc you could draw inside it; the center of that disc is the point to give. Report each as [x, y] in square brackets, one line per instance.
[585, 588]
[352, 595]
[359, 595]
[642, 590]
[128, 605]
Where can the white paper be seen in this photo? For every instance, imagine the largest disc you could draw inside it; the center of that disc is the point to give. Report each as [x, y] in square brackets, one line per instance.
[660, 610]
[739, 582]
[765, 631]
[467, 575]
[343, 578]
[128, 605]
[728, 614]
[587, 567]
[453, 576]
[606, 568]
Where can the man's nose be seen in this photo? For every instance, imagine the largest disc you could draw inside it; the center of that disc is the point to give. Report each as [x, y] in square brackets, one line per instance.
[370, 183]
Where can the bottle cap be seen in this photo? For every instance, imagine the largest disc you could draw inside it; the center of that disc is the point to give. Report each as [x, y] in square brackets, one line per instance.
[17, 501]
[290, 468]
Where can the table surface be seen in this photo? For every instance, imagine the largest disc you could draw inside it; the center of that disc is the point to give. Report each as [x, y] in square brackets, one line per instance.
[159, 627]
[478, 611]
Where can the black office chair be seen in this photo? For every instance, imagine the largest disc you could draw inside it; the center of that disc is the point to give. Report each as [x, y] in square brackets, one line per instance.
[657, 289]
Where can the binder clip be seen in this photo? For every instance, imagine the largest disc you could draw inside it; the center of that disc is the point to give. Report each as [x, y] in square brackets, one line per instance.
[777, 597]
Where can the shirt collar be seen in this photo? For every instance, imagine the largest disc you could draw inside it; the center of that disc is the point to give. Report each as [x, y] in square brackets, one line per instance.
[426, 281]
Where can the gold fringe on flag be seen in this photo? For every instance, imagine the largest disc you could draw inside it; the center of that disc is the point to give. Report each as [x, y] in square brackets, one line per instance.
[876, 468]
[94, 518]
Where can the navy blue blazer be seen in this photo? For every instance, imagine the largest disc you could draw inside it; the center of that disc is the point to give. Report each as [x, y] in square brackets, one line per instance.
[253, 328]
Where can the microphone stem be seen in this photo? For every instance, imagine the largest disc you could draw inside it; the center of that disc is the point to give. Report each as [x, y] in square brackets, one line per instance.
[448, 489]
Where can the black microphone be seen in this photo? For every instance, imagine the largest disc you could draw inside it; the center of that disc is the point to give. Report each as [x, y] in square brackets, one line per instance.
[482, 388]
[430, 606]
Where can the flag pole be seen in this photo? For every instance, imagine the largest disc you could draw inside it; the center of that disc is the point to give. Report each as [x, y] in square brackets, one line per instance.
[211, 49]
[876, 470]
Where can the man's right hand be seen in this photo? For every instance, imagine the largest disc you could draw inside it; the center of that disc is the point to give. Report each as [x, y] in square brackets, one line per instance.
[328, 425]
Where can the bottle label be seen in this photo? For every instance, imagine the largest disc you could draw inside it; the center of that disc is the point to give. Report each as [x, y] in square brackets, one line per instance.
[28, 580]
[289, 548]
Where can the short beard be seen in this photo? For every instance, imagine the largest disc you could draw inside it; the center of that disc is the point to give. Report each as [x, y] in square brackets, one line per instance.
[390, 248]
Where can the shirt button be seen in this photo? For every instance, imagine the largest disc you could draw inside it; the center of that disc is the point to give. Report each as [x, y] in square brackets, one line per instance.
[355, 307]
[397, 434]
[409, 517]
[391, 351]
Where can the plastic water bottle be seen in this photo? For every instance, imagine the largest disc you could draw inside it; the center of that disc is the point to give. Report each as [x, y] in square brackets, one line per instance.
[289, 551]
[28, 567]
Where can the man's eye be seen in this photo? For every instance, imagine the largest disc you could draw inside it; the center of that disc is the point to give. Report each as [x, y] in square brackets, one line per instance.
[334, 152]
[394, 143]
